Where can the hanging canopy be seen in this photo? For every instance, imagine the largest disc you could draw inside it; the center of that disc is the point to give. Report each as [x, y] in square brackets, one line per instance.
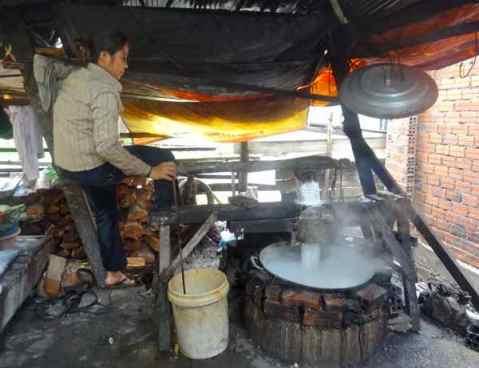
[240, 69]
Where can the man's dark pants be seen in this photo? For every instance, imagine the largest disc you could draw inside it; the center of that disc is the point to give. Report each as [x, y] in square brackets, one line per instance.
[100, 184]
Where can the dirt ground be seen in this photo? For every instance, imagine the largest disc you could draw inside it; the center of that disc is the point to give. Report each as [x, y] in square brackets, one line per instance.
[123, 335]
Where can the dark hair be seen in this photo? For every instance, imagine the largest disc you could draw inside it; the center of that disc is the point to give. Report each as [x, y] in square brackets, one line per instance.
[110, 42]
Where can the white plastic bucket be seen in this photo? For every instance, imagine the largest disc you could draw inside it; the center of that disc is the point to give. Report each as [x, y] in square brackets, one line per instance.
[201, 315]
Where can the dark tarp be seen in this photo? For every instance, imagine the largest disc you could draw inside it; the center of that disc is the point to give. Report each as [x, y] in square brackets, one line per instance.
[242, 59]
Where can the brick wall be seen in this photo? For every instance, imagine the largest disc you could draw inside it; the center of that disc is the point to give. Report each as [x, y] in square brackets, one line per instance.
[447, 162]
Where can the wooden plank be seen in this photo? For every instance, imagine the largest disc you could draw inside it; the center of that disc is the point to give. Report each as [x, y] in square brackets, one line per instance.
[243, 175]
[80, 210]
[310, 162]
[166, 273]
[408, 273]
[199, 214]
[163, 309]
[349, 213]
[331, 346]
[351, 349]
[311, 349]
[403, 226]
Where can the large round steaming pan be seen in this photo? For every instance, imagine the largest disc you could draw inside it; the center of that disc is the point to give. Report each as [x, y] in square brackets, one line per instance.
[346, 268]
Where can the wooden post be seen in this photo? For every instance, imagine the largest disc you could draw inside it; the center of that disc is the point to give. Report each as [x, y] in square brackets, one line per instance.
[395, 206]
[243, 175]
[162, 305]
[85, 225]
[408, 270]
[188, 248]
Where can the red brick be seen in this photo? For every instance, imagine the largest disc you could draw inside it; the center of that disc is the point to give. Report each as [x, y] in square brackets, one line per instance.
[435, 138]
[442, 128]
[444, 106]
[438, 192]
[458, 129]
[448, 161]
[462, 163]
[473, 129]
[448, 183]
[467, 106]
[444, 204]
[456, 151]
[471, 177]
[433, 180]
[474, 213]
[470, 200]
[442, 149]
[450, 139]
[466, 140]
[460, 209]
[454, 196]
[428, 169]
[457, 174]
[334, 301]
[472, 153]
[435, 159]
[463, 187]
[468, 115]
[424, 208]
[302, 298]
[441, 170]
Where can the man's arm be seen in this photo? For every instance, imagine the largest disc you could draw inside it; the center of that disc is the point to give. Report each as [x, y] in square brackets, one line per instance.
[106, 136]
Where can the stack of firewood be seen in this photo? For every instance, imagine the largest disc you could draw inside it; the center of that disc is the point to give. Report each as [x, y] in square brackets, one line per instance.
[135, 196]
[47, 213]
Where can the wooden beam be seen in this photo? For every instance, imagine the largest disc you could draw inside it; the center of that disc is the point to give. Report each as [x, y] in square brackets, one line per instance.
[243, 175]
[225, 212]
[188, 248]
[78, 206]
[349, 214]
[311, 162]
[163, 310]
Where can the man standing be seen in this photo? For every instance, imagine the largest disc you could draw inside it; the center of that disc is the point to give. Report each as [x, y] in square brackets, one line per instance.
[87, 147]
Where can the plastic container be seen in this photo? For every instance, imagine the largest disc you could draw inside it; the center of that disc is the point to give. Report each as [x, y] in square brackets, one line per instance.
[10, 240]
[201, 315]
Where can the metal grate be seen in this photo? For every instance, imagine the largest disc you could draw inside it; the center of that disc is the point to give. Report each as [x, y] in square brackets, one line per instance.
[411, 155]
[146, 3]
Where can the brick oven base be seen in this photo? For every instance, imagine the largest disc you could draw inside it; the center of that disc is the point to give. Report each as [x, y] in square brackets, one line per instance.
[330, 329]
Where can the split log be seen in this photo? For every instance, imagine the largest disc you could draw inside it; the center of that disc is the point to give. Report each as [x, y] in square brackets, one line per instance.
[137, 213]
[132, 245]
[153, 241]
[133, 230]
[145, 253]
[71, 245]
[35, 212]
[135, 263]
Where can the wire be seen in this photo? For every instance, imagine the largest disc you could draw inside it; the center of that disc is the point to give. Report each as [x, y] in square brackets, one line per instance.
[463, 75]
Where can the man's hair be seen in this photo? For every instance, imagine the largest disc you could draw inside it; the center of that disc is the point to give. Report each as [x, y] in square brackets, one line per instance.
[110, 42]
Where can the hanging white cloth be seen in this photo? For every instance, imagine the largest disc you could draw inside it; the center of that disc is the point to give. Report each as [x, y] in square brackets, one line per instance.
[28, 139]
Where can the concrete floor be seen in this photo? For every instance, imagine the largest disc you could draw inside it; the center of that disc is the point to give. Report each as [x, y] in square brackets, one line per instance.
[123, 335]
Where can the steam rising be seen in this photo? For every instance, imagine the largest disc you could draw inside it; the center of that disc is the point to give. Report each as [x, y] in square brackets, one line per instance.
[325, 258]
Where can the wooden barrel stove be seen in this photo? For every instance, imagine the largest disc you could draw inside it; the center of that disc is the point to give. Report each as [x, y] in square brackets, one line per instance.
[323, 329]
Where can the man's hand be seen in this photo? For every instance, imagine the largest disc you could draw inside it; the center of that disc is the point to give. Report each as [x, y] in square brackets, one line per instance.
[164, 171]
